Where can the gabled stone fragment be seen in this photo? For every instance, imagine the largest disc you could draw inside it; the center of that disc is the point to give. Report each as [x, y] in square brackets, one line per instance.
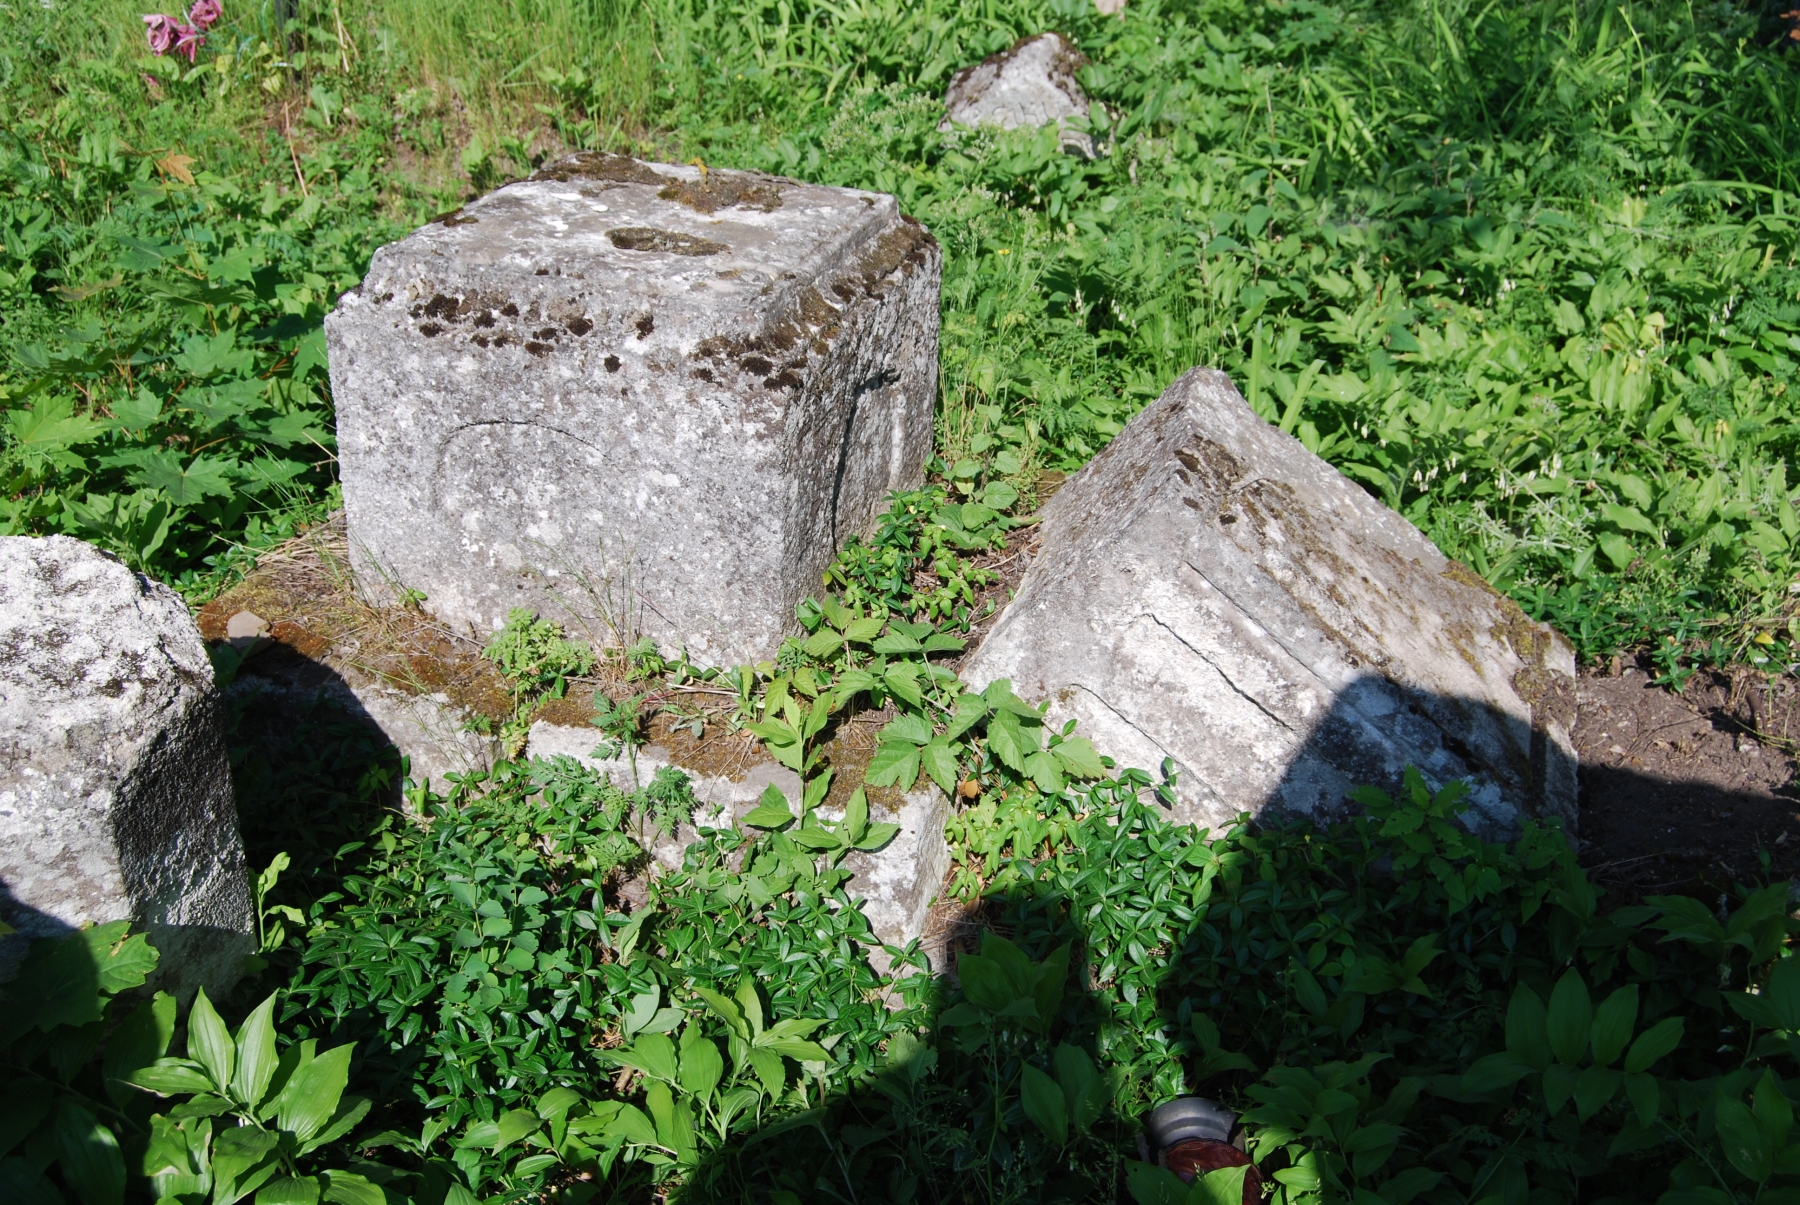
[1211, 593]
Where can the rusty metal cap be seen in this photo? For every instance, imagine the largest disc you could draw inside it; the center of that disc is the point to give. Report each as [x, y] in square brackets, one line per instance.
[1188, 1117]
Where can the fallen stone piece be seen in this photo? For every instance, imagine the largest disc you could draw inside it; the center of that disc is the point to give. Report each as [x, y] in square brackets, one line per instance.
[115, 793]
[896, 883]
[639, 399]
[1028, 85]
[1210, 592]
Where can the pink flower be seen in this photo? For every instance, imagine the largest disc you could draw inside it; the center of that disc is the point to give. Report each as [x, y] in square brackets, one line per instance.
[205, 12]
[161, 31]
[188, 41]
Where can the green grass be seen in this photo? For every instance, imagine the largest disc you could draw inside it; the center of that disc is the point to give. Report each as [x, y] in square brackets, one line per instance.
[1526, 273]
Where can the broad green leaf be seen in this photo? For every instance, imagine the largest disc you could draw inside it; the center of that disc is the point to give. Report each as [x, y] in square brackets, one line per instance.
[139, 1041]
[630, 1125]
[185, 485]
[1494, 1072]
[653, 1054]
[289, 1190]
[1527, 1028]
[514, 1126]
[124, 961]
[311, 1096]
[1655, 1042]
[912, 728]
[877, 836]
[1042, 1098]
[772, 810]
[727, 1010]
[556, 1103]
[1571, 1018]
[1153, 1185]
[1613, 1023]
[986, 982]
[701, 1064]
[348, 1188]
[1223, 1186]
[1628, 518]
[767, 1065]
[1743, 1140]
[256, 1054]
[894, 765]
[1644, 1095]
[896, 643]
[1082, 1086]
[823, 643]
[1594, 1087]
[798, 1049]
[970, 710]
[92, 1165]
[902, 680]
[939, 761]
[817, 838]
[210, 1042]
[24, 1104]
[862, 631]
[50, 426]
[856, 816]
[1769, 1104]
[1782, 991]
[1079, 758]
[1007, 740]
[1044, 770]
[168, 1077]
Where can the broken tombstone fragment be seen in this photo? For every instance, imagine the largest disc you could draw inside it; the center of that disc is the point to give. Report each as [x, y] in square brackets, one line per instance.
[1212, 597]
[1030, 84]
[116, 800]
[636, 398]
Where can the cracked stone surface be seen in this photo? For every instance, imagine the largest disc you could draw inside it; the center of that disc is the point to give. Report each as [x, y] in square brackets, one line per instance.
[639, 398]
[115, 794]
[895, 883]
[1210, 592]
[1028, 85]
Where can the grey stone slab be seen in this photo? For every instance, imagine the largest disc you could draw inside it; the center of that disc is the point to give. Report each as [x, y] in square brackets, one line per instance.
[115, 793]
[1210, 592]
[637, 398]
[1028, 85]
[896, 883]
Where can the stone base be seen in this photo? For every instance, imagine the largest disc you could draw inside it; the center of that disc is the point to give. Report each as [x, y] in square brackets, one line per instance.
[896, 884]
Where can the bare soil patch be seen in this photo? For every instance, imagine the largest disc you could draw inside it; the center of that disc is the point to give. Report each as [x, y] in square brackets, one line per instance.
[1687, 791]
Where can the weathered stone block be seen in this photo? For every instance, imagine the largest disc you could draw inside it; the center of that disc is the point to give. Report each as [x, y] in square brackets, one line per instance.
[1210, 592]
[641, 399]
[115, 793]
[1030, 84]
[895, 883]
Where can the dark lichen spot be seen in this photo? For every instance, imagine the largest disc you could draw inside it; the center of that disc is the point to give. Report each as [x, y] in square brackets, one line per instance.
[546, 334]
[485, 320]
[598, 165]
[542, 272]
[440, 306]
[702, 374]
[538, 349]
[612, 363]
[670, 242]
[721, 190]
[431, 329]
[645, 325]
[509, 310]
[1228, 518]
[1190, 504]
[757, 365]
[479, 340]
[578, 326]
[786, 379]
[456, 217]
